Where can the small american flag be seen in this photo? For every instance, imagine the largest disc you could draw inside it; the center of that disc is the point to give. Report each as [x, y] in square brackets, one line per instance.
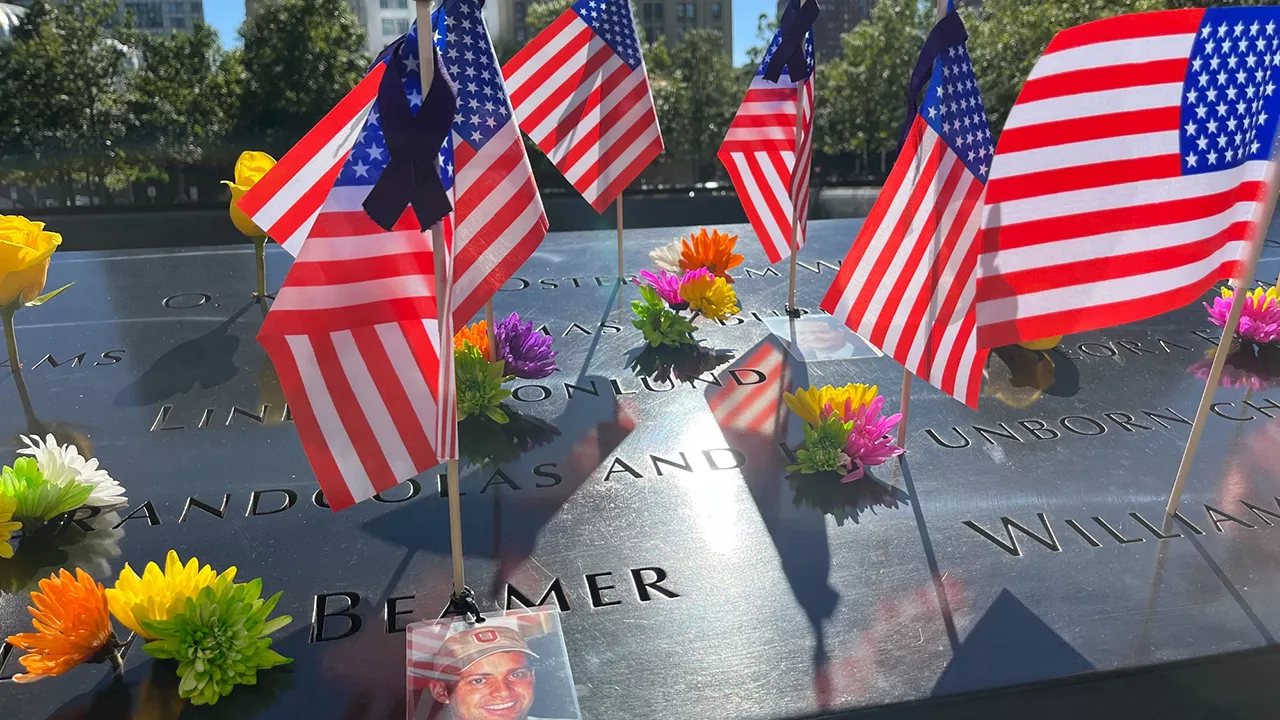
[498, 220]
[363, 352]
[287, 200]
[760, 152]
[907, 284]
[1130, 171]
[582, 94]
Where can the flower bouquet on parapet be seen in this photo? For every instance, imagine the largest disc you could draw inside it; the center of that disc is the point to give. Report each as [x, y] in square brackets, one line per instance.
[215, 630]
[844, 431]
[692, 282]
[489, 431]
[41, 495]
[1259, 319]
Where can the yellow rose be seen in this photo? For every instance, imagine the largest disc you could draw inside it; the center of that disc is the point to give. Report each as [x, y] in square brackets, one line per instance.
[1048, 343]
[250, 168]
[25, 249]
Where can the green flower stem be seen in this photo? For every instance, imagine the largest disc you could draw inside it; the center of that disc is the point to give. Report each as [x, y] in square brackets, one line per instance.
[260, 252]
[11, 342]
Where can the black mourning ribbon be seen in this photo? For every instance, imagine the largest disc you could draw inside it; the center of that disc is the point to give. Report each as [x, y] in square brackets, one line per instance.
[413, 142]
[949, 32]
[790, 53]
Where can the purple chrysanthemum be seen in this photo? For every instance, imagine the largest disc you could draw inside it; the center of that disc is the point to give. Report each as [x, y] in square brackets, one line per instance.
[869, 442]
[1259, 319]
[526, 351]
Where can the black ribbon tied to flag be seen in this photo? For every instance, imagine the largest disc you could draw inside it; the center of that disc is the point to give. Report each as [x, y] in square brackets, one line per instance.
[413, 143]
[790, 53]
[949, 32]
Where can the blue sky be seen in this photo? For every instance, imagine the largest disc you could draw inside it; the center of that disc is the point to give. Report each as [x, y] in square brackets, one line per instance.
[226, 16]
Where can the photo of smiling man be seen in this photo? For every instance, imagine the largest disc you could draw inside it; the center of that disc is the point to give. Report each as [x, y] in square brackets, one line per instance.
[463, 671]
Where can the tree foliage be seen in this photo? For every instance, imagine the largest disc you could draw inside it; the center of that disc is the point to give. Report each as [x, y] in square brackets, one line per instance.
[861, 96]
[300, 58]
[542, 13]
[185, 96]
[697, 93]
[62, 100]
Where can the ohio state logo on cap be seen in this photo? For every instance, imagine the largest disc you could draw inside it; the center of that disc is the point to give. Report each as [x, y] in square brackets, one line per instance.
[485, 636]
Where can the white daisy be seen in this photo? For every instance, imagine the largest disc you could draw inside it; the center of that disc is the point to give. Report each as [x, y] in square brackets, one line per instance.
[667, 257]
[63, 464]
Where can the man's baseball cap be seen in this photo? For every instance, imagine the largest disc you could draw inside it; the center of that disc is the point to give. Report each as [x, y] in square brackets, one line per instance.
[472, 645]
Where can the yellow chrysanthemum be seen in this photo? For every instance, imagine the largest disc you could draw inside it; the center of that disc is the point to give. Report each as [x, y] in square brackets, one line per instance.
[157, 595]
[809, 402]
[713, 252]
[712, 296]
[477, 333]
[7, 506]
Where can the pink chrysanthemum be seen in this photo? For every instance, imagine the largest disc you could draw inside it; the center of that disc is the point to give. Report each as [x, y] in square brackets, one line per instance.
[869, 442]
[667, 284]
[1259, 319]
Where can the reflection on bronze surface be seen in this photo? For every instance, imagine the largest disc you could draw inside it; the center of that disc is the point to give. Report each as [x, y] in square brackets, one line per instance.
[1029, 374]
[1248, 366]
[684, 363]
[481, 441]
[63, 544]
[844, 501]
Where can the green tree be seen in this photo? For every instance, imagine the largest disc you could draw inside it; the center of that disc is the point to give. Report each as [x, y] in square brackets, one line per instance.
[183, 99]
[1006, 37]
[860, 97]
[62, 100]
[542, 13]
[696, 99]
[300, 58]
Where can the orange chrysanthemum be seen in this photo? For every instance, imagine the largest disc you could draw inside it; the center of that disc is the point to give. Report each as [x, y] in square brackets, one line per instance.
[477, 333]
[713, 252]
[72, 626]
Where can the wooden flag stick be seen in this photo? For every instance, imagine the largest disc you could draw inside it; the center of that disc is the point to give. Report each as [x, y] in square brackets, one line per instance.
[621, 275]
[1261, 222]
[426, 69]
[794, 243]
[489, 329]
[906, 407]
[906, 374]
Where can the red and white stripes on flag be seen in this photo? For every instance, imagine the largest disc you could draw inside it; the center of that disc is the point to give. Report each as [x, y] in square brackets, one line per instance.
[760, 154]
[907, 284]
[498, 217]
[581, 92]
[286, 201]
[1129, 171]
[361, 337]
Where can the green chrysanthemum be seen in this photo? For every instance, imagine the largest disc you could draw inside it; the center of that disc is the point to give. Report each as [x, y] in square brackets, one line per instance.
[824, 447]
[38, 500]
[659, 323]
[219, 639]
[479, 381]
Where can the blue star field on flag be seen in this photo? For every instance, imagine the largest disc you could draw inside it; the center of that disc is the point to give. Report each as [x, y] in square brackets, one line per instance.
[953, 108]
[611, 19]
[1229, 99]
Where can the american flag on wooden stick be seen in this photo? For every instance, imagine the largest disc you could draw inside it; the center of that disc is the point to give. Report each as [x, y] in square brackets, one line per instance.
[766, 159]
[498, 218]
[356, 333]
[581, 92]
[1129, 172]
[908, 282]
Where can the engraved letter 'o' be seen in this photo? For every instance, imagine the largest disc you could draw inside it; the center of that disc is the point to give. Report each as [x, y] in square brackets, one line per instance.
[1109, 351]
[543, 390]
[173, 302]
[1094, 423]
